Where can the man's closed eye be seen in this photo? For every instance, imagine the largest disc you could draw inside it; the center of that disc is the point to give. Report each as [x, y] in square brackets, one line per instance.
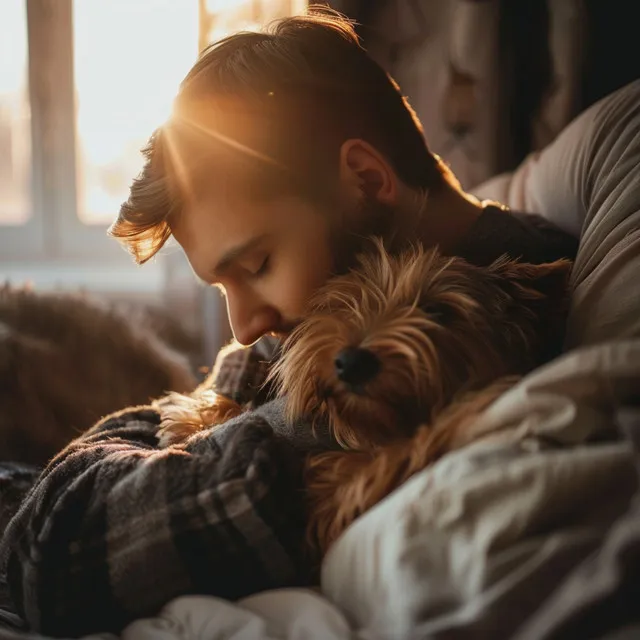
[262, 269]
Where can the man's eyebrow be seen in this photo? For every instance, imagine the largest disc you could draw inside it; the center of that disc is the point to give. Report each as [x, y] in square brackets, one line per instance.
[236, 252]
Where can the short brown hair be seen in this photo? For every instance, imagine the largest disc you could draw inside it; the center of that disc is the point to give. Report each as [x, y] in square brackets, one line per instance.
[333, 91]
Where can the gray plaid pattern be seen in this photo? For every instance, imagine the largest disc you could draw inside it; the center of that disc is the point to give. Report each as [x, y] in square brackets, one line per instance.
[116, 528]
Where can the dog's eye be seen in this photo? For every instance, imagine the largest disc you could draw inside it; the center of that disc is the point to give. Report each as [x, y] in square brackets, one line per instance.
[438, 311]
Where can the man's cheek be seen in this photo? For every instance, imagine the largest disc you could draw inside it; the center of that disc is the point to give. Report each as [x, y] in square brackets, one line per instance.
[300, 292]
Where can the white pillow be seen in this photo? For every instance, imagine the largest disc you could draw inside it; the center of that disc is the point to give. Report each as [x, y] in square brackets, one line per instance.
[587, 182]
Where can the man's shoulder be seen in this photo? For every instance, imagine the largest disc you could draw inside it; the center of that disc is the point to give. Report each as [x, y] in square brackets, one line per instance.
[524, 236]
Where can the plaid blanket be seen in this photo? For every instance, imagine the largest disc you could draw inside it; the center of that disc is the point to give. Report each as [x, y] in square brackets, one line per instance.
[225, 515]
[16, 480]
[115, 528]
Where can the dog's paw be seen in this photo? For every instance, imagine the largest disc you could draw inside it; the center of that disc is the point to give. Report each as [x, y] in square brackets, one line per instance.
[181, 416]
[174, 434]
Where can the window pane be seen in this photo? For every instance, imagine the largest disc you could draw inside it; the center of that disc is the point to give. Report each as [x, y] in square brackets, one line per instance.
[129, 57]
[15, 115]
[224, 17]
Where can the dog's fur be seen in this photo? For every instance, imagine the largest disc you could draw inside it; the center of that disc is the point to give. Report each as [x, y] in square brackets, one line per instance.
[446, 338]
[68, 360]
[342, 485]
[438, 326]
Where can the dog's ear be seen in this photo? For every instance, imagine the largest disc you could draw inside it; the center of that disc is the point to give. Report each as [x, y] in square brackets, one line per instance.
[550, 279]
[544, 289]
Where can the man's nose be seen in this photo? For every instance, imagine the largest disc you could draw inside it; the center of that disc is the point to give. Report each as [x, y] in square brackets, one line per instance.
[250, 322]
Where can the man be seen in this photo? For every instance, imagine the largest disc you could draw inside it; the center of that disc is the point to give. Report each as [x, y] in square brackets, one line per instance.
[285, 150]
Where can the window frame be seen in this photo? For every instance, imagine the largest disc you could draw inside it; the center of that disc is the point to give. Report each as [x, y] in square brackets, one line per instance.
[54, 240]
[60, 234]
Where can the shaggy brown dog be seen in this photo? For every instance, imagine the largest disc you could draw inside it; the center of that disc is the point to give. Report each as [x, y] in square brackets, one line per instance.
[68, 360]
[399, 355]
[343, 485]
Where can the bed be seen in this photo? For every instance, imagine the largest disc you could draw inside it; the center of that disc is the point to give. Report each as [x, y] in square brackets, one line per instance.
[534, 531]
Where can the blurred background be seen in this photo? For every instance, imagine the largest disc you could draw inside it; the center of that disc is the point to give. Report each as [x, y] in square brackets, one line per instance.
[84, 82]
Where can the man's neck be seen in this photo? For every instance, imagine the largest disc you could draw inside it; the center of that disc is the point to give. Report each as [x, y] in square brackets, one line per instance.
[446, 217]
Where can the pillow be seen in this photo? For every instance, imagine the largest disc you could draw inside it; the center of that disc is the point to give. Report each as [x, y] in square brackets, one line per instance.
[587, 182]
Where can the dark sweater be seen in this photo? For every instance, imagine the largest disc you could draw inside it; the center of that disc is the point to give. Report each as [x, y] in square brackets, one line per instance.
[522, 236]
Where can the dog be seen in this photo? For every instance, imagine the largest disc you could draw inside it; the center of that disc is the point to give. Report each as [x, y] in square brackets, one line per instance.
[67, 360]
[399, 356]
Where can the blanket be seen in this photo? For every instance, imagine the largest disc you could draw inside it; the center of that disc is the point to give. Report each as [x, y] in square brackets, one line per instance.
[16, 479]
[236, 528]
[497, 537]
[483, 539]
[533, 533]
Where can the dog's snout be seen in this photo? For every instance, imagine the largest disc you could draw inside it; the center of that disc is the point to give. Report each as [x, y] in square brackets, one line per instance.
[354, 365]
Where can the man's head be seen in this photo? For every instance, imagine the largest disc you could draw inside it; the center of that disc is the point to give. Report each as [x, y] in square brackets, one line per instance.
[284, 150]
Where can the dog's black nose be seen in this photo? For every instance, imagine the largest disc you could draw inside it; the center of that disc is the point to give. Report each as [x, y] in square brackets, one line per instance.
[356, 366]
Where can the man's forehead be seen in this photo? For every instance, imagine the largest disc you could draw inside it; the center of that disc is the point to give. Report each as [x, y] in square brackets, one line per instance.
[214, 229]
[225, 128]
[210, 169]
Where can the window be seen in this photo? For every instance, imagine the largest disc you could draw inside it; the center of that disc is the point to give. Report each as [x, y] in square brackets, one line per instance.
[82, 85]
[15, 125]
[124, 91]
[220, 18]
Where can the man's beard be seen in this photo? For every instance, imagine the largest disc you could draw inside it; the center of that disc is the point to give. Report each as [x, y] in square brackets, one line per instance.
[350, 236]
[352, 233]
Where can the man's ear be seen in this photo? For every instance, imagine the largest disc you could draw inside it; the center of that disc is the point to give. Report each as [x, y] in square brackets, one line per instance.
[366, 174]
